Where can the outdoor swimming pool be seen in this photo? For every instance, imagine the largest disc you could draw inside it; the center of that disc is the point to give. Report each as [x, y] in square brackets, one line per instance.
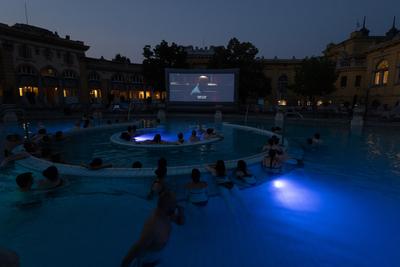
[341, 209]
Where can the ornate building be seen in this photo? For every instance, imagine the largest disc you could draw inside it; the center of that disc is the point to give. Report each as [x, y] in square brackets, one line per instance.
[39, 68]
[368, 67]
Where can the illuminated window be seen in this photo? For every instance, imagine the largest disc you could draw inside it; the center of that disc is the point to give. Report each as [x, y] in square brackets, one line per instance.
[282, 102]
[141, 94]
[68, 92]
[95, 93]
[28, 89]
[381, 75]
[148, 94]
[319, 102]
[48, 72]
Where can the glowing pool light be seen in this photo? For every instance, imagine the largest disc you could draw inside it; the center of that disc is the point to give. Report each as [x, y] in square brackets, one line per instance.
[293, 195]
[279, 183]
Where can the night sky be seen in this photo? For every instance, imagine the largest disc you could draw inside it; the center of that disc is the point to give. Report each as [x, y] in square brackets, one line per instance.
[280, 28]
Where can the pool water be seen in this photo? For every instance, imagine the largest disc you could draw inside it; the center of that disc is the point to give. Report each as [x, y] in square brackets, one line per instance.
[235, 144]
[341, 209]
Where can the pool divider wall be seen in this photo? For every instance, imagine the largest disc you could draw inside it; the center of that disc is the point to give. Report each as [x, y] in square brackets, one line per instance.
[38, 165]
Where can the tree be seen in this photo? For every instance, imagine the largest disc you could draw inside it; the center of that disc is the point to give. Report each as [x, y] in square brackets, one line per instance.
[121, 59]
[157, 59]
[242, 55]
[315, 77]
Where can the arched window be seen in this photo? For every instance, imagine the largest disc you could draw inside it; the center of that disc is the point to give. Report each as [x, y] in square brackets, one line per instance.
[282, 86]
[118, 77]
[48, 71]
[69, 74]
[93, 76]
[381, 74]
[26, 70]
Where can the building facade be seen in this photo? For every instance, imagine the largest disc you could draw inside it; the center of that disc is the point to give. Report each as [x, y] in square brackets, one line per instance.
[368, 68]
[38, 68]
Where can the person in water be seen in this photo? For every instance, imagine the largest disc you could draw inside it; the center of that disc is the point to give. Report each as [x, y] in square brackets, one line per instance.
[97, 164]
[137, 165]
[52, 179]
[155, 233]
[25, 181]
[158, 186]
[317, 139]
[197, 190]
[181, 139]
[243, 173]
[272, 161]
[193, 137]
[125, 136]
[219, 172]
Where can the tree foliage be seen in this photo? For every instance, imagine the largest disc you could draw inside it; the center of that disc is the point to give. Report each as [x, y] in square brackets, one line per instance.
[157, 59]
[121, 59]
[242, 55]
[315, 77]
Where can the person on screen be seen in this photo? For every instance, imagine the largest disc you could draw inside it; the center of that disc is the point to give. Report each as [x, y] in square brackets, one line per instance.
[201, 85]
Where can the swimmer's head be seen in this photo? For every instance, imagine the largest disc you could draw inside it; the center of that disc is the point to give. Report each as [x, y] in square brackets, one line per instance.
[180, 136]
[137, 165]
[51, 173]
[210, 131]
[157, 138]
[195, 175]
[96, 162]
[241, 165]
[220, 168]
[194, 133]
[161, 172]
[25, 181]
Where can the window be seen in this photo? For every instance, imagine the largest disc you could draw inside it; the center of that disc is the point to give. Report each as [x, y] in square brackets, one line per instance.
[25, 51]
[282, 86]
[381, 75]
[95, 93]
[69, 74]
[117, 78]
[68, 92]
[343, 81]
[49, 72]
[28, 89]
[26, 70]
[357, 82]
[48, 54]
[68, 58]
[93, 76]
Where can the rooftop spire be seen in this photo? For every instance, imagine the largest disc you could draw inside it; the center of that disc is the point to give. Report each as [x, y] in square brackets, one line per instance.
[364, 22]
[393, 31]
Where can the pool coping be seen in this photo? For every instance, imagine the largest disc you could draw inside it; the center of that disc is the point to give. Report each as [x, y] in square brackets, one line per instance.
[38, 165]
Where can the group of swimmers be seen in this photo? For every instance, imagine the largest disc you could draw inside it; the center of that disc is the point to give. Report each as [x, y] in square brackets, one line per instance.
[42, 145]
[51, 180]
[131, 133]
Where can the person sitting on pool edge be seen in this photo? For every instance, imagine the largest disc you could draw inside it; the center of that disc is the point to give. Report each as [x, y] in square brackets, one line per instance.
[219, 172]
[271, 161]
[197, 190]
[193, 137]
[25, 181]
[158, 186]
[242, 173]
[181, 139]
[132, 131]
[96, 164]
[52, 179]
[137, 165]
[155, 233]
